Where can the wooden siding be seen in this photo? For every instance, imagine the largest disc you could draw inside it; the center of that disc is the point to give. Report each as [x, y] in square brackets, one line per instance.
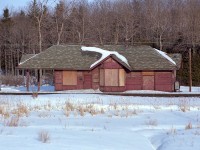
[111, 77]
[145, 73]
[95, 78]
[58, 80]
[110, 64]
[87, 81]
[134, 81]
[164, 81]
[112, 88]
[80, 80]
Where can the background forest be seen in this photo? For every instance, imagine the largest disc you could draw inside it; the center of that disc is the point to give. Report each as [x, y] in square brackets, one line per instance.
[172, 26]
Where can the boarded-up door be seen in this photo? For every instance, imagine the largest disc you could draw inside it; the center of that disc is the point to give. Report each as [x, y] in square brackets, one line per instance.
[148, 82]
[87, 84]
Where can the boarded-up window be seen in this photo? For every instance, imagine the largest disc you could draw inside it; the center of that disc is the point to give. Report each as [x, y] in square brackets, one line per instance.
[111, 77]
[121, 77]
[69, 77]
[102, 77]
[114, 76]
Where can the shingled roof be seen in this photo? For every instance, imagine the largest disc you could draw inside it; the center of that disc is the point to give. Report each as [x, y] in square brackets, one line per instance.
[71, 57]
[26, 57]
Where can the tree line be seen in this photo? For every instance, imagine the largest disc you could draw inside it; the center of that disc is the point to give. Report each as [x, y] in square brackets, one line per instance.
[169, 25]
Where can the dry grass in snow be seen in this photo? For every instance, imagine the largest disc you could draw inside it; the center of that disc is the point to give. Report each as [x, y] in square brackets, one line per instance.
[44, 136]
[78, 122]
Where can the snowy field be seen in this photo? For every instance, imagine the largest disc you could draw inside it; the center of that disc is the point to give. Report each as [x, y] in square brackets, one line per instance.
[98, 122]
[47, 88]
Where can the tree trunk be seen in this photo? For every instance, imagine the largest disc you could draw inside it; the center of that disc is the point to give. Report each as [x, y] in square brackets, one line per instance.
[160, 42]
[5, 59]
[83, 30]
[40, 36]
[27, 80]
[59, 33]
[116, 38]
[0, 62]
[190, 71]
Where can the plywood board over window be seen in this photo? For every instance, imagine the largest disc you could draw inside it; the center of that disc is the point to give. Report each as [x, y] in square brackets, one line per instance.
[69, 77]
[108, 76]
[102, 78]
[111, 77]
[114, 77]
[121, 77]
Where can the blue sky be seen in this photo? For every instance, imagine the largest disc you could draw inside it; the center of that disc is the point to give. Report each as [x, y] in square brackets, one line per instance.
[16, 4]
[13, 4]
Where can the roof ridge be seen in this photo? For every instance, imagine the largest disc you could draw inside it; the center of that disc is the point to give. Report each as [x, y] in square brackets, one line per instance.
[164, 55]
[28, 59]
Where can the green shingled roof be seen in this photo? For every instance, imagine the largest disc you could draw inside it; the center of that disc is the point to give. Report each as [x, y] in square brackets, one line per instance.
[71, 57]
[26, 57]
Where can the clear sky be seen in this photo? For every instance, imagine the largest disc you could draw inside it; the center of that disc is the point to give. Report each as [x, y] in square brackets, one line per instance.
[17, 4]
[13, 4]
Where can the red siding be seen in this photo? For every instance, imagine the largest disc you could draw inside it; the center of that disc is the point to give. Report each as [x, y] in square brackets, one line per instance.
[95, 78]
[164, 81]
[134, 81]
[87, 81]
[113, 89]
[161, 81]
[80, 80]
[110, 64]
[58, 80]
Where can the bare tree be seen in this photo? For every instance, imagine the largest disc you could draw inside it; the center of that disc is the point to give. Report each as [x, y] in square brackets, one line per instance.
[61, 16]
[193, 21]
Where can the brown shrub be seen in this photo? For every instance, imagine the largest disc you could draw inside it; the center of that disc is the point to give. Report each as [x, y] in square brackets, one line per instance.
[188, 126]
[44, 136]
[12, 80]
[152, 122]
[21, 110]
[13, 122]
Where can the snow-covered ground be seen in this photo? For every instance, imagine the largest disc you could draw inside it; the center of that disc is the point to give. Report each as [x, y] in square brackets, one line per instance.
[48, 88]
[98, 122]
[44, 88]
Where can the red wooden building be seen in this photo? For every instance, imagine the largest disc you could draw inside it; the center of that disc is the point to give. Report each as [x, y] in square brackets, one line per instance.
[145, 68]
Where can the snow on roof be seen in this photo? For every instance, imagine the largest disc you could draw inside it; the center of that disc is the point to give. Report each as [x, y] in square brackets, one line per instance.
[165, 56]
[105, 53]
[27, 59]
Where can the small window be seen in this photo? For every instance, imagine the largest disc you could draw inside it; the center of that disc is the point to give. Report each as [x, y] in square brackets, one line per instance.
[69, 77]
